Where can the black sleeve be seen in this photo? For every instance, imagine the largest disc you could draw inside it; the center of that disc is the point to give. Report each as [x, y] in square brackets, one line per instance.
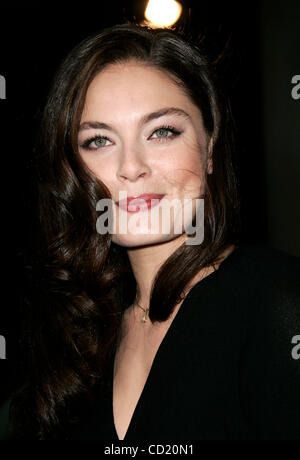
[270, 363]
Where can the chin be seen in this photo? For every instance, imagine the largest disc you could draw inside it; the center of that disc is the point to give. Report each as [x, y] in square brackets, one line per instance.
[140, 239]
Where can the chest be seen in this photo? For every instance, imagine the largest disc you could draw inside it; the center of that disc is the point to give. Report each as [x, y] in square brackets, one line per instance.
[132, 365]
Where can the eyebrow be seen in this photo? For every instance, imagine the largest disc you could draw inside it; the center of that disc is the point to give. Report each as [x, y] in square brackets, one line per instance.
[145, 119]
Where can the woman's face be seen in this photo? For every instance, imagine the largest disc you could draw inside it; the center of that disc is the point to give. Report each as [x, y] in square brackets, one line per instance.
[141, 134]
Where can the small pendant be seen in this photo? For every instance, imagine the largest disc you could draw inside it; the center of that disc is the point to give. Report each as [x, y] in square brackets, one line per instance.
[144, 318]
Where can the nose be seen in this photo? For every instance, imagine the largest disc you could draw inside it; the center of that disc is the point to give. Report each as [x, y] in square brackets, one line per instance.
[132, 166]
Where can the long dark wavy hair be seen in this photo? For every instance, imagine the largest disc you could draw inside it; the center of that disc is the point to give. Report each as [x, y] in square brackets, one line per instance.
[80, 281]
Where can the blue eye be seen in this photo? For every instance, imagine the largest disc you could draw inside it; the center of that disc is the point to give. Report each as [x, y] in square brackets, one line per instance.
[163, 131]
[99, 142]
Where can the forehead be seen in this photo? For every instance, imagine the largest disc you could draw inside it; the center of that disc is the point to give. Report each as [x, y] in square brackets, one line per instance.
[135, 86]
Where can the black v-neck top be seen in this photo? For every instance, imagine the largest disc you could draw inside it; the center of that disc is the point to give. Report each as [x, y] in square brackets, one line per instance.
[228, 367]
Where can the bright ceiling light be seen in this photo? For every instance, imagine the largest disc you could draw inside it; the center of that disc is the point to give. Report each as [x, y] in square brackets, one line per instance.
[163, 13]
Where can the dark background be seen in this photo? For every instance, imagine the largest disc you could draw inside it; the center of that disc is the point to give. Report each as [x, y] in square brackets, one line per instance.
[262, 54]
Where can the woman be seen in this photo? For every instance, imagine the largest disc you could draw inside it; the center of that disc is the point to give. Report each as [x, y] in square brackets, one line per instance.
[142, 334]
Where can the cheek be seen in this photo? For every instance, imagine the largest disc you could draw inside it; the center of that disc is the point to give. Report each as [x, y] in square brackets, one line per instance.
[94, 164]
[99, 168]
[184, 165]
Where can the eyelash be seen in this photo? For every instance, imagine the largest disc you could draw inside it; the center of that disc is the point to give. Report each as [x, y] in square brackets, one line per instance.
[86, 144]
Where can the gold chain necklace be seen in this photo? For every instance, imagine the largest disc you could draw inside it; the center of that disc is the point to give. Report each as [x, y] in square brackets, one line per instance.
[145, 315]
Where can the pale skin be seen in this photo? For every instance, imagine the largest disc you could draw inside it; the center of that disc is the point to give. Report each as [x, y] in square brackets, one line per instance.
[138, 157]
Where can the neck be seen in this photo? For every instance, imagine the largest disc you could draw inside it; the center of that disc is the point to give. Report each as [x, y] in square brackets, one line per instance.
[146, 261]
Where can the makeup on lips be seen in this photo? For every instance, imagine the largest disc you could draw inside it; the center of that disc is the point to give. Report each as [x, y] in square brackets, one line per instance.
[143, 202]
